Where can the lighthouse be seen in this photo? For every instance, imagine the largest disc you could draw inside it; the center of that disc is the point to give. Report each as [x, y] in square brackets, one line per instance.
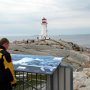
[44, 32]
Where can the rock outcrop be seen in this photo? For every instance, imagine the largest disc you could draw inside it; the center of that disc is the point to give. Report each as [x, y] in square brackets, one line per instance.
[82, 79]
[73, 54]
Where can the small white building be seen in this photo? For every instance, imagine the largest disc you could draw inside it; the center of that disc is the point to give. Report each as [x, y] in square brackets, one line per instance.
[44, 32]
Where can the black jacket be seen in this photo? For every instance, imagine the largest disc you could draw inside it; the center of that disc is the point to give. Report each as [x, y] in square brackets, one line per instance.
[6, 67]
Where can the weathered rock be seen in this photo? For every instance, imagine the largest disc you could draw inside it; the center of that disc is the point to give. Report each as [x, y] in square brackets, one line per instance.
[82, 80]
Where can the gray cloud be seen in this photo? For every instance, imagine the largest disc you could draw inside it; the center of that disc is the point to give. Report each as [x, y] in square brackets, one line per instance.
[75, 4]
[26, 15]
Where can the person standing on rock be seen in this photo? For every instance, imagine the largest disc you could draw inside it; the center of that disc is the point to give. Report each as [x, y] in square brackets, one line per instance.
[7, 76]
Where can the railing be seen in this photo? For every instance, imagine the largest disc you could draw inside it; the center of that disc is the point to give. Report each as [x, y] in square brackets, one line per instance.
[30, 81]
[61, 79]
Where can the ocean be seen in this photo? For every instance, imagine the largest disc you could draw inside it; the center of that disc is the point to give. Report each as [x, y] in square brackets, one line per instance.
[82, 40]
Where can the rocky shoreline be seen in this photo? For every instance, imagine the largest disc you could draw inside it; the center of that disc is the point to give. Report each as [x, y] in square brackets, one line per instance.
[75, 56]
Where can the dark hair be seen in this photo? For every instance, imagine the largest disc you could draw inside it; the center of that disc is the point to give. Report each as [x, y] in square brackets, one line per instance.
[4, 40]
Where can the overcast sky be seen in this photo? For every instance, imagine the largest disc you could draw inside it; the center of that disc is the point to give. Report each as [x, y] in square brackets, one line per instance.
[22, 17]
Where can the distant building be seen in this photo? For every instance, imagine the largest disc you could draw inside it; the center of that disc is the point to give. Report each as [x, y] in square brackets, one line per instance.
[44, 32]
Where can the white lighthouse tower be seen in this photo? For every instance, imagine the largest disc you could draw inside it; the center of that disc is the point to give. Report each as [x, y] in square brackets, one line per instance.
[44, 33]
